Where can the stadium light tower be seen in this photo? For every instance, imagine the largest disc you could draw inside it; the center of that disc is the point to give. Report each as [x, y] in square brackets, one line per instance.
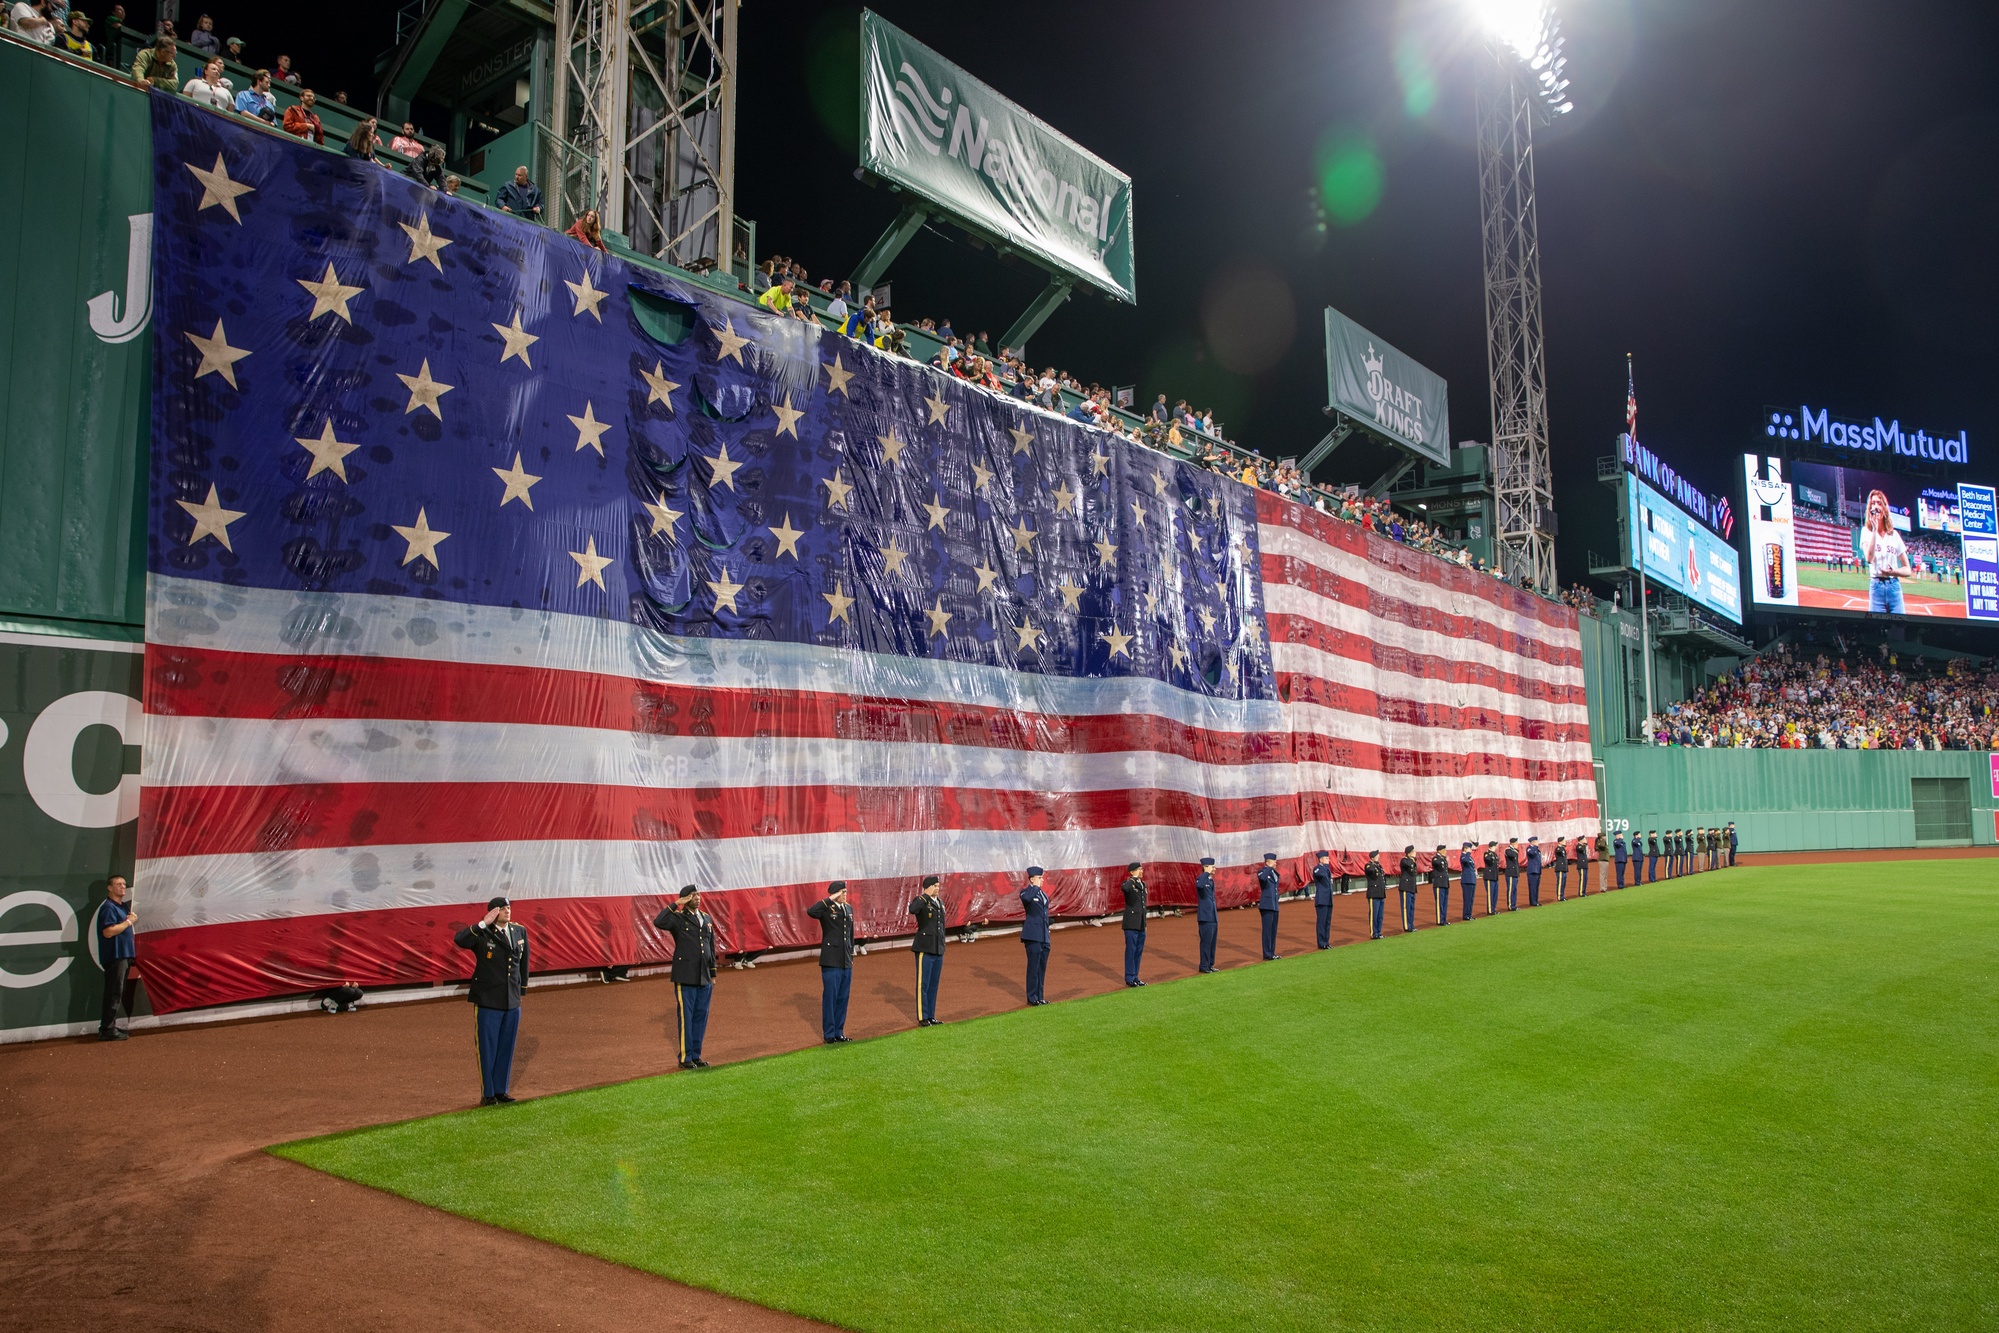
[1522, 83]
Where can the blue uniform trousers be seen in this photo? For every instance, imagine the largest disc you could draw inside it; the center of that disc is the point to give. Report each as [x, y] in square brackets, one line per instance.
[1408, 912]
[496, 1049]
[693, 1002]
[1652, 867]
[1208, 930]
[835, 985]
[1443, 903]
[1375, 907]
[1620, 872]
[929, 971]
[1269, 934]
[1037, 971]
[1582, 877]
[1324, 923]
[1533, 888]
[1134, 951]
[1470, 888]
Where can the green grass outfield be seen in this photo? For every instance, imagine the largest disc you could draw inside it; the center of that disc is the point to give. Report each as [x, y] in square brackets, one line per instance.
[1765, 1099]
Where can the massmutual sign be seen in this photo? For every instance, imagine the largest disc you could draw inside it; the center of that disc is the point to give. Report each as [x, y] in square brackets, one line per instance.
[931, 128]
[1819, 426]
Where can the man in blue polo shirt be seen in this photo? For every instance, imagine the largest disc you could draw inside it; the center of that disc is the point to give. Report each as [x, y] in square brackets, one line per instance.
[117, 927]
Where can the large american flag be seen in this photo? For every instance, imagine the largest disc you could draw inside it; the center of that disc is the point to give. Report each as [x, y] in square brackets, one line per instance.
[481, 563]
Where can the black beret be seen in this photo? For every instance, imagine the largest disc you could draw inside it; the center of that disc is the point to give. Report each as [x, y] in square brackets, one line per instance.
[928, 880]
[1032, 871]
[687, 891]
[1410, 848]
[1440, 846]
[498, 900]
[837, 886]
[1134, 867]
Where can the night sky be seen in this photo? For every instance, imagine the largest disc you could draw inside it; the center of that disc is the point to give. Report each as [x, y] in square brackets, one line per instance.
[1765, 201]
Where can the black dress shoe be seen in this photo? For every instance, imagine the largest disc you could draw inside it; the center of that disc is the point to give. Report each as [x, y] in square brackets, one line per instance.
[115, 1034]
[687, 1064]
[843, 1037]
[505, 1100]
[488, 1101]
[1138, 983]
[700, 1064]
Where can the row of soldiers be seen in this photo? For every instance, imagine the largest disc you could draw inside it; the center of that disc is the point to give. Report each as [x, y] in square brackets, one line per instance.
[500, 947]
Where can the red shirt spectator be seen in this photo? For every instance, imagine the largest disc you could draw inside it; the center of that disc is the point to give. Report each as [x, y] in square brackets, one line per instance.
[588, 230]
[303, 121]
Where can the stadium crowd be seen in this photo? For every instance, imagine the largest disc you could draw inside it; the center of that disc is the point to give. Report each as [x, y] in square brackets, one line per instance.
[1788, 701]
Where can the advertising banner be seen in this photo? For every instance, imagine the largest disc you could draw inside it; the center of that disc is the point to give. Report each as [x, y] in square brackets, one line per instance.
[1681, 554]
[1921, 563]
[1980, 528]
[929, 127]
[70, 726]
[1773, 577]
[1389, 392]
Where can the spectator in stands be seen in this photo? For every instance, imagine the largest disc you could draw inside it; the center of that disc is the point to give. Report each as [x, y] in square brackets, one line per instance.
[341, 97]
[363, 142]
[203, 38]
[209, 87]
[76, 39]
[257, 101]
[777, 299]
[30, 19]
[836, 309]
[284, 73]
[233, 48]
[589, 230]
[430, 167]
[155, 65]
[114, 35]
[451, 186]
[520, 196]
[303, 121]
[860, 319]
[406, 143]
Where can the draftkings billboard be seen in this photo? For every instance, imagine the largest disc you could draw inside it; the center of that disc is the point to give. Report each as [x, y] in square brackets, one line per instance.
[70, 726]
[933, 129]
[1386, 391]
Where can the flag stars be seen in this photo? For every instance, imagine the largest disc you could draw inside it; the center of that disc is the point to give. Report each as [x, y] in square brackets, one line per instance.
[328, 454]
[1023, 539]
[837, 376]
[1159, 483]
[987, 577]
[588, 298]
[891, 447]
[892, 557]
[217, 190]
[1106, 552]
[1030, 637]
[518, 482]
[1023, 440]
[663, 517]
[659, 389]
[1138, 513]
[982, 477]
[211, 519]
[787, 417]
[726, 591]
[787, 539]
[422, 538]
[840, 605]
[1065, 499]
[424, 243]
[330, 295]
[938, 410]
[1252, 630]
[589, 430]
[836, 490]
[1119, 641]
[724, 469]
[938, 513]
[939, 618]
[424, 391]
[1177, 655]
[217, 356]
[517, 340]
[590, 566]
[1100, 463]
[1207, 619]
[732, 343]
[1070, 591]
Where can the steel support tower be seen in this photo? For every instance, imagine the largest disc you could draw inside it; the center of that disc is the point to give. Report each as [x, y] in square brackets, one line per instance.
[1516, 359]
[643, 124]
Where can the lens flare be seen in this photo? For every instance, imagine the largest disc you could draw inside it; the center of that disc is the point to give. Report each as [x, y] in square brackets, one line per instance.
[1350, 176]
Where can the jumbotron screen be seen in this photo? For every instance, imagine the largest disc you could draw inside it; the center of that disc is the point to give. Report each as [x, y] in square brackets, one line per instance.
[1829, 538]
[1679, 552]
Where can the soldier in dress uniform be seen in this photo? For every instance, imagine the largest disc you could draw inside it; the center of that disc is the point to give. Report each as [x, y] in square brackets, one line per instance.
[1266, 903]
[1532, 864]
[836, 960]
[1406, 883]
[1440, 883]
[1034, 934]
[1562, 869]
[1134, 923]
[1490, 869]
[1377, 894]
[1322, 898]
[1620, 855]
[1206, 920]
[1652, 856]
[499, 974]
[1583, 858]
[1511, 861]
[1729, 832]
[1468, 877]
[694, 958]
[928, 946]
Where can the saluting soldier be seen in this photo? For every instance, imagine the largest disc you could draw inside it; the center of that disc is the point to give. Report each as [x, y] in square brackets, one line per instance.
[1134, 923]
[1730, 833]
[1652, 856]
[836, 960]
[1562, 869]
[1512, 865]
[1440, 883]
[1406, 882]
[1322, 898]
[1468, 877]
[1377, 894]
[1266, 903]
[694, 959]
[1620, 855]
[1583, 858]
[1206, 921]
[1533, 868]
[928, 946]
[1034, 934]
[499, 974]
[1490, 869]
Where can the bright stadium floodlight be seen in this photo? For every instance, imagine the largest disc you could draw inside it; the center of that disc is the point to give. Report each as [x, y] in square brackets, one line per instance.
[1530, 30]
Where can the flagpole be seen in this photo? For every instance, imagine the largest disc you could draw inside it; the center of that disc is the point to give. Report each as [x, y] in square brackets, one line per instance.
[1644, 590]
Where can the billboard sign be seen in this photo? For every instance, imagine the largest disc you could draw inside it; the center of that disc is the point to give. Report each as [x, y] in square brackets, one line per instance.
[1874, 436]
[1389, 393]
[933, 129]
[1679, 552]
[1980, 539]
[1773, 574]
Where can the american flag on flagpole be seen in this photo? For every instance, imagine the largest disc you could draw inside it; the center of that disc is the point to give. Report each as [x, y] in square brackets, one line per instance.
[1630, 400]
[481, 562]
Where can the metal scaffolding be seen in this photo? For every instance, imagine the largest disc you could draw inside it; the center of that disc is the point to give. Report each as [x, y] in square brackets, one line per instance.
[643, 123]
[1516, 359]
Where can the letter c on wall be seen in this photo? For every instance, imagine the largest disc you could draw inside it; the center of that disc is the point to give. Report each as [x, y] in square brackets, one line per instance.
[48, 759]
